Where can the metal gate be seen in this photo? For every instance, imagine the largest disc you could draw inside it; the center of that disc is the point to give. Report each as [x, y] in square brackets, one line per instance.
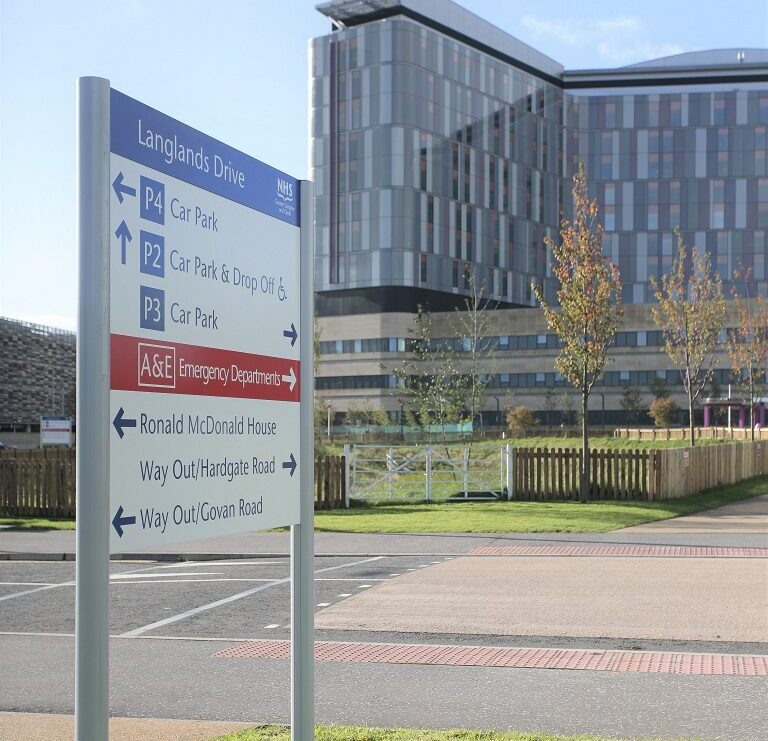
[426, 472]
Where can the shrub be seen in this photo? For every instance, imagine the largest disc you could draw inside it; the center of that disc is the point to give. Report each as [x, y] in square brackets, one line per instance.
[520, 418]
[664, 411]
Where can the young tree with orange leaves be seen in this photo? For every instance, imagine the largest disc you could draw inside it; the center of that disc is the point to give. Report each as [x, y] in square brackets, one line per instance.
[589, 305]
[747, 343]
[690, 313]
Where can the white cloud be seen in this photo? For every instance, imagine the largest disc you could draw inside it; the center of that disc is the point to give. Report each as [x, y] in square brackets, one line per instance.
[620, 40]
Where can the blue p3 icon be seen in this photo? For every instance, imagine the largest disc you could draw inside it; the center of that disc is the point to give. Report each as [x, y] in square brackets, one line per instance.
[152, 309]
[152, 202]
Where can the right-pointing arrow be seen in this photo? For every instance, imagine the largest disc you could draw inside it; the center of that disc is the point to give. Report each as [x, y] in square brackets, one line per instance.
[290, 378]
[118, 521]
[291, 333]
[119, 422]
[291, 464]
[124, 235]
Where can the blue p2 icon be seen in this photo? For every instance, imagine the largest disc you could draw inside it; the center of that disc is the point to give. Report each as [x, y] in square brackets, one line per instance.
[152, 202]
[152, 254]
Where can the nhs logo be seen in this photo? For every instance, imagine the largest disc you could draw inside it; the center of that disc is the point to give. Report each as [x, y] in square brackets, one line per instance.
[284, 189]
[284, 197]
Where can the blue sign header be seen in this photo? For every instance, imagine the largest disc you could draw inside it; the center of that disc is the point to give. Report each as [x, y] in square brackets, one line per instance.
[144, 135]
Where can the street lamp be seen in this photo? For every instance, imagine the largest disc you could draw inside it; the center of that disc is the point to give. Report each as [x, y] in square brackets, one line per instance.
[328, 408]
[498, 411]
[402, 415]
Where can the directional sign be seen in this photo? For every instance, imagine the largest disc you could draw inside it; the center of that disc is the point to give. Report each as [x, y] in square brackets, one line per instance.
[204, 300]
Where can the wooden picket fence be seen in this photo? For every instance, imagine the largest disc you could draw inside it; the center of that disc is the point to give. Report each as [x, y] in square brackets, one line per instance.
[41, 483]
[330, 482]
[682, 433]
[37, 483]
[540, 473]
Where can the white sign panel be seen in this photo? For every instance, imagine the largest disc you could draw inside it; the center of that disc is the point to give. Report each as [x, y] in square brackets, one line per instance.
[204, 359]
[55, 431]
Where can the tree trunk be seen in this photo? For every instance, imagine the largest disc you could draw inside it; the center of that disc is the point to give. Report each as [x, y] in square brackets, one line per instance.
[584, 490]
[690, 415]
[751, 407]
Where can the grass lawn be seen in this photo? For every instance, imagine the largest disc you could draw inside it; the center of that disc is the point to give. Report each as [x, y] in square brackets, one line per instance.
[38, 523]
[525, 517]
[494, 517]
[359, 733]
[605, 443]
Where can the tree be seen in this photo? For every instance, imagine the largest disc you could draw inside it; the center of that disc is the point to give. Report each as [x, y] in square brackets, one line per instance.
[566, 406]
[589, 305]
[430, 381]
[659, 388]
[631, 402]
[747, 343]
[550, 406]
[663, 412]
[478, 363]
[690, 313]
[520, 419]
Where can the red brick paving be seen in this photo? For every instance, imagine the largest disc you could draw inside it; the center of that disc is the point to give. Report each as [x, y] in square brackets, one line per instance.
[664, 551]
[517, 658]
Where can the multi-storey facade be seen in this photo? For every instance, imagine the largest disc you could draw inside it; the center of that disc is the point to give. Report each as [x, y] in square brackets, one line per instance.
[443, 148]
[37, 374]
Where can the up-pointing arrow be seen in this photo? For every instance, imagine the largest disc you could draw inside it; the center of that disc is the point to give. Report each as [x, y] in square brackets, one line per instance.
[118, 521]
[119, 188]
[290, 378]
[124, 235]
[119, 422]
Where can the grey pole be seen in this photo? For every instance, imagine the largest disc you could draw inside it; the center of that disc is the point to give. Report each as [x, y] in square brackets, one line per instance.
[302, 535]
[92, 569]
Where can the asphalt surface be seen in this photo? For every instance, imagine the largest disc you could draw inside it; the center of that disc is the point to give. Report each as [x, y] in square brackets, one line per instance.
[169, 619]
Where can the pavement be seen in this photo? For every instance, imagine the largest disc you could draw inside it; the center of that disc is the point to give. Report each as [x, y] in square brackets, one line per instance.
[659, 631]
[48, 726]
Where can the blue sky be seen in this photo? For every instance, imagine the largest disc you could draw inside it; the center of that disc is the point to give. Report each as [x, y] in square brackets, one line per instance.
[238, 71]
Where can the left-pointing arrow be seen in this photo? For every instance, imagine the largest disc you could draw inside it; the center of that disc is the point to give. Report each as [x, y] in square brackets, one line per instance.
[121, 189]
[120, 421]
[124, 235]
[118, 521]
[290, 378]
[291, 464]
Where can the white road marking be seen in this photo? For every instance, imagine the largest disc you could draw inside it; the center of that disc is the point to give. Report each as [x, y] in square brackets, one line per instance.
[363, 586]
[358, 579]
[216, 564]
[272, 625]
[187, 581]
[343, 595]
[28, 584]
[165, 576]
[394, 574]
[61, 584]
[323, 604]
[226, 600]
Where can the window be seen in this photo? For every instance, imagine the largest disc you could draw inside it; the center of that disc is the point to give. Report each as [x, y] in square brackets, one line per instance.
[762, 202]
[610, 115]
[676, 113]
[718, 111]
[423, 268]
[718, 204]
[762, 109]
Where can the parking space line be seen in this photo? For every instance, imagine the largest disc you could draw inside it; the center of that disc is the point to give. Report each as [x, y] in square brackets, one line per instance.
[186, 581]
[70, 583]
[343, 595]
[27, 584]
[164, 576]
[243, 562]
[233, 598]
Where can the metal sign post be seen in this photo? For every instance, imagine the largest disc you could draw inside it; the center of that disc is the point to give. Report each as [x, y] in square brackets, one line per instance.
[195, 390]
